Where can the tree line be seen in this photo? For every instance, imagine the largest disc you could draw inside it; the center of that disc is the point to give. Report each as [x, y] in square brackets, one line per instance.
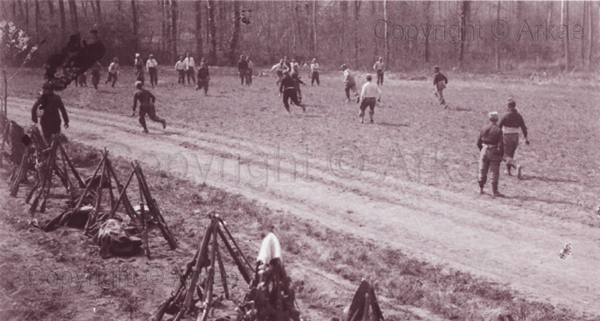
[470, 35]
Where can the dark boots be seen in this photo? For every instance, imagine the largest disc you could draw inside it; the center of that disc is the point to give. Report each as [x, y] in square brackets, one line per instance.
[481, 187]
[495, 191]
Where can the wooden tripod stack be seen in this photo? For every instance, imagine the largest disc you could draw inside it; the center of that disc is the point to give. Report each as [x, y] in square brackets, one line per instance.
[364, 306]
[47, 166]
[182, 302]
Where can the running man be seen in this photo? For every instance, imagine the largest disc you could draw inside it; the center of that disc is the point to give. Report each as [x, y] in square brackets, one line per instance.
[440, 81]
[288, 89]
[511, 123]
[349, 84]
[52, 107]
[369, 96]
[146, 100]
[113, 71]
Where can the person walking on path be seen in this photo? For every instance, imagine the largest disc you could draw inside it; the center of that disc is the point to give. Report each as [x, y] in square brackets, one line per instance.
[369, 97]
[314, 75]
[379, 67]
[203, 77]
[242, 66]
[138, 68]
[491, 147]
[349, 84]
[113, 72]
[511, 123]
[190, 68]
[288, 89]
[51, 106]
[152, 66]
[180, 68]
[440, 81]
[95, 71]
[147, 101]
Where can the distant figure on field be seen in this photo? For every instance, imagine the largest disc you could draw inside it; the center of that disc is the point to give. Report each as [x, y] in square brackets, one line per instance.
[95, 71]
[491, 148]
[349, 84]
[81, 80]
[440, 81]
[511, 123]
[146, 100]
[379, 67]
[51, 107]
[138, 68]
[250, 71]
[288, 89]
[180, 68]
[242, 66]
[152, 66]
[297, 81]
[190, 68]
[203, 77]
[369, 96]
[113, 71]
[314, 75]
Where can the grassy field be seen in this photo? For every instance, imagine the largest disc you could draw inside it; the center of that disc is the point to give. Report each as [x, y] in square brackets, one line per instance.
[435, 149]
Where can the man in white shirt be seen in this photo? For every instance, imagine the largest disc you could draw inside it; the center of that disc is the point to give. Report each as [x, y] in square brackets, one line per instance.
[280, 68]
[369, 96]
[180, 68]
[113, 71]
[379, 67]
[152, 65]
[190, 68]
[314, 76]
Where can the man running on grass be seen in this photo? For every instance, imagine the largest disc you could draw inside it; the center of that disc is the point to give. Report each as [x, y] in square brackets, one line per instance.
[369, 96]
[440, 81]
[349, 84]
[288, 88]
[511, 123]
[147, 100]
[52, 107]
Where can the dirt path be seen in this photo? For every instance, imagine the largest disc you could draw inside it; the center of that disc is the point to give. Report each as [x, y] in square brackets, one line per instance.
[475, 234]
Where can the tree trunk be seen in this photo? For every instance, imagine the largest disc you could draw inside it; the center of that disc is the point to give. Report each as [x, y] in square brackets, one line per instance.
[50, 8]
[37, 18]
[27, 15]
[464, 11]
[344, 9]
[386, 46]
[212, 26]
[235, 36]
[199, 48]
[590, 32]
[63, 20]
[314, 29]
[427, 7]
[98, 12]
[583, 20]
[564, 21]
[136, 27]
[356, 6]
[496, 40]
[174, 35]
[74, 18]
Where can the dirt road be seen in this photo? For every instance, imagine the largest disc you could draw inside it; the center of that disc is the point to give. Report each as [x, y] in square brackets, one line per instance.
[479, 235]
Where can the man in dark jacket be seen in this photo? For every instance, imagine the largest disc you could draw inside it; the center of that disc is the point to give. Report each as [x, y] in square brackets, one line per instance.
[288, 89]
[440, 81]
[146, 100]
[203, 77]
[242, 68]
[491, 149]
[52, 107]
[511, 123]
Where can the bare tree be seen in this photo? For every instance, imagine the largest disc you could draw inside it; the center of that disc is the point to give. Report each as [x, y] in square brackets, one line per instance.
[314, 29]
[136, 26]
[174, 35]
[590, 32]
[464, 11]
[37, 18]
[496, 40]
[98, 12]
[427, 10]
[356, 8]
[50, 8]
[235, 36]
[27, 15]
[63, 23]
[212, 27]
[386, 43]
[199, 48]
[564, 21]
[74, 18]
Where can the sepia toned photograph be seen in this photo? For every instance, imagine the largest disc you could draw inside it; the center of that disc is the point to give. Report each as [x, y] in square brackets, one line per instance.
[299, 160]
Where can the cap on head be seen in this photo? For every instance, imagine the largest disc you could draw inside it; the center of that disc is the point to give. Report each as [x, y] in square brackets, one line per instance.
[369, 77]
[138, 84]
[511, 103]
[137, 54]
[344, 67]
[436, 68]
[151, 55]
[493, 116]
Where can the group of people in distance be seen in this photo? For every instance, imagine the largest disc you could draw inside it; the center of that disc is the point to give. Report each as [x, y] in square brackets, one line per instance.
[186, 67]
[245, 68]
